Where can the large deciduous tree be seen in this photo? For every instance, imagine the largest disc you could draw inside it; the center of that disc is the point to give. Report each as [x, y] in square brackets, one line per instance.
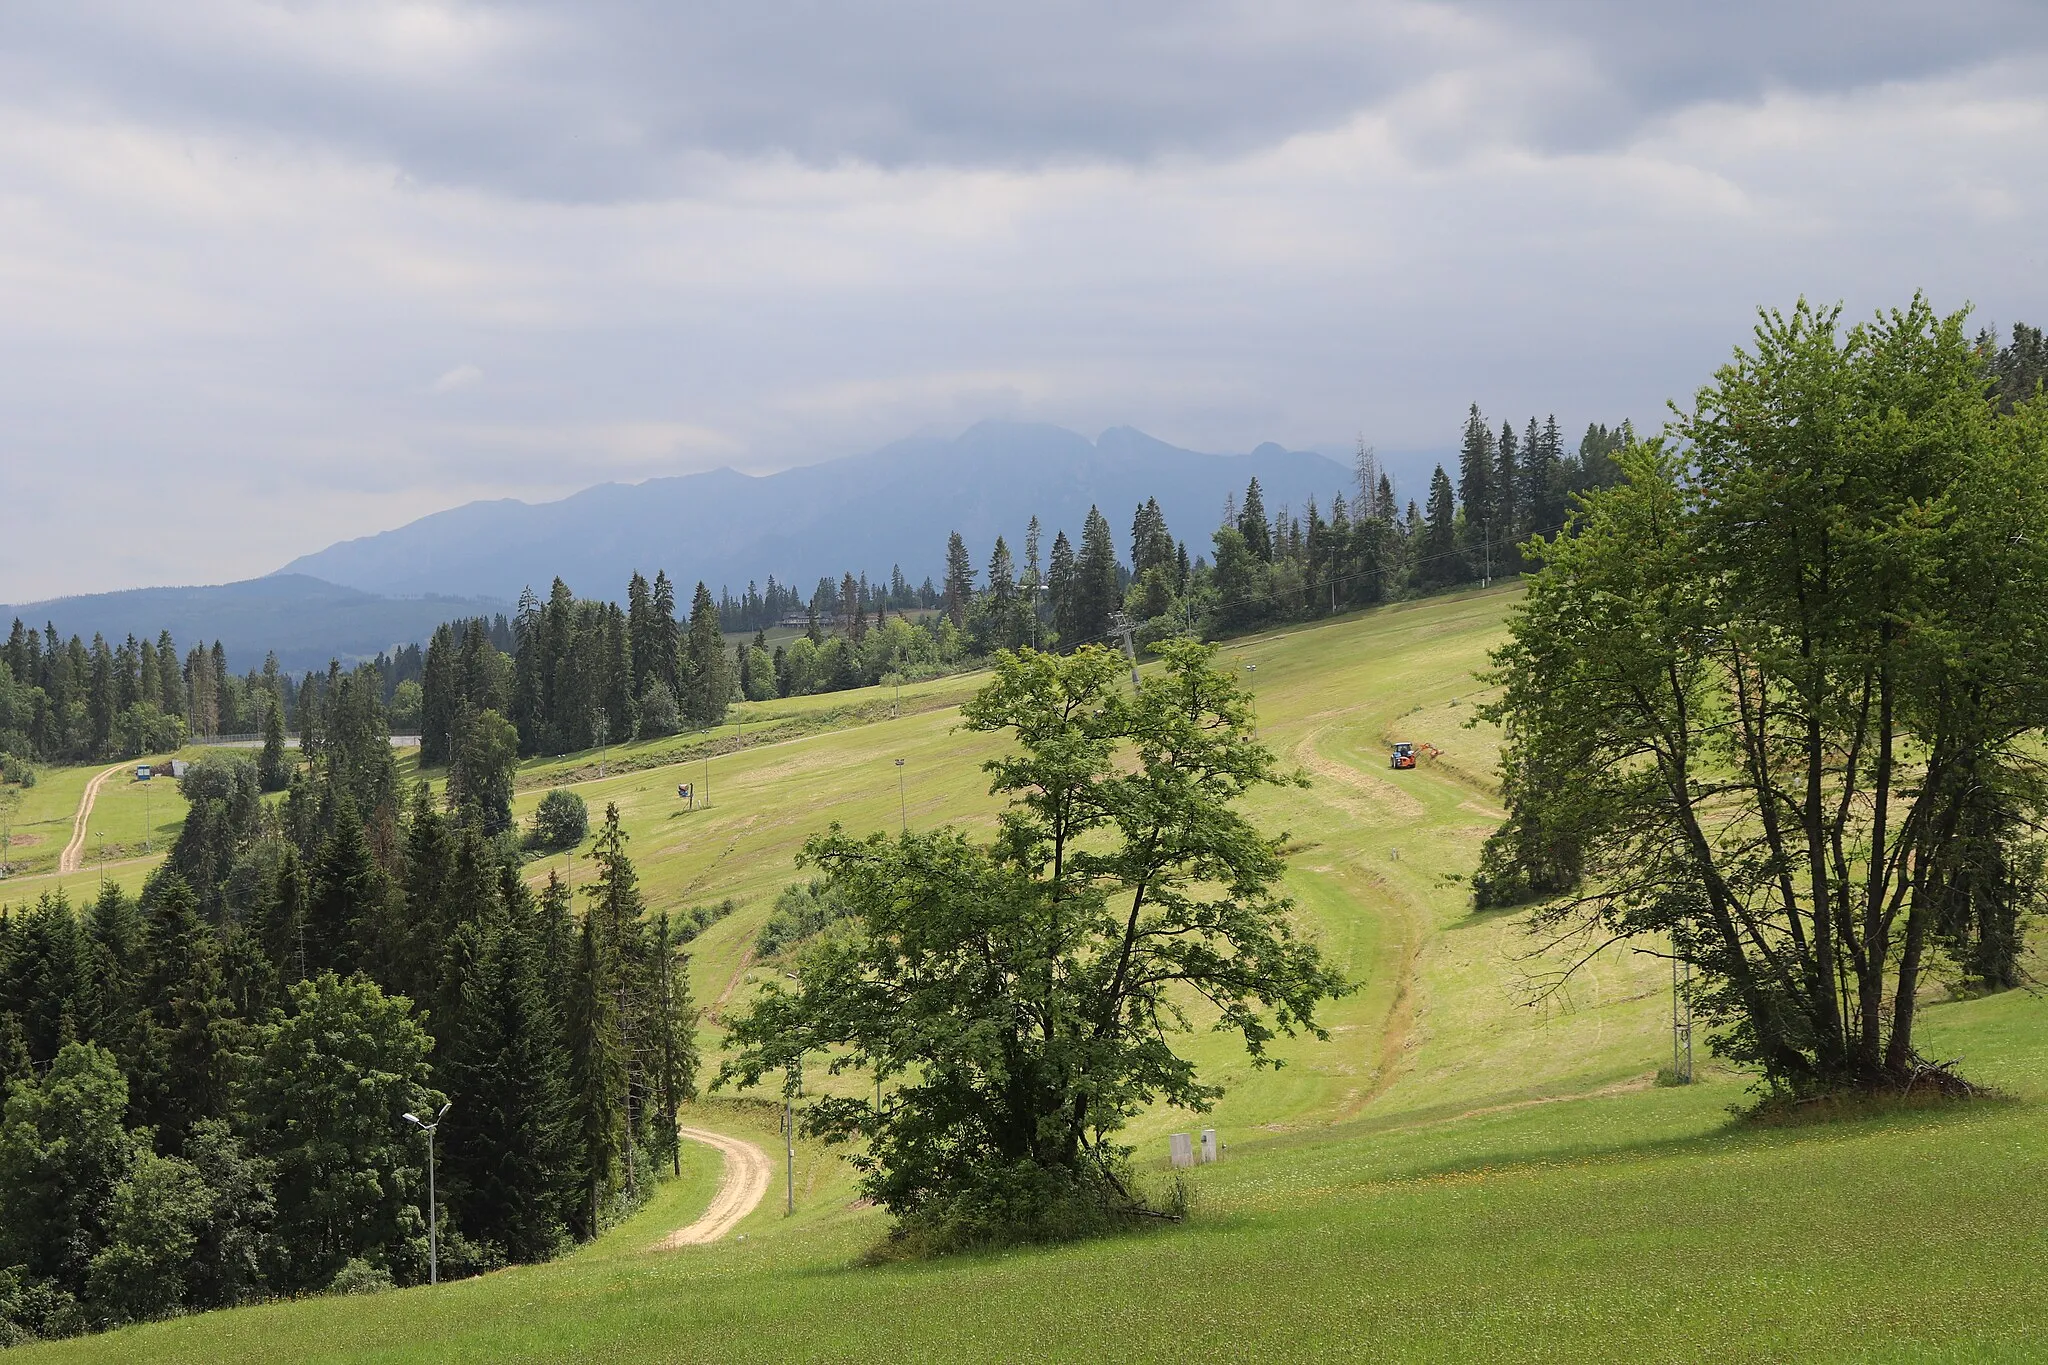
[1023, 996]
[1769, 701]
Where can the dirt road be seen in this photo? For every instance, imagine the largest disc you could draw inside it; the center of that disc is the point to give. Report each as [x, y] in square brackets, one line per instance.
[74, 852]
[747, 1173]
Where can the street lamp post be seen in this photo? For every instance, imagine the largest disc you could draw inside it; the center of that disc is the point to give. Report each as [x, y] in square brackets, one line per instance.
[902, 806]
[1253, 669]
[433, 1210]
[792, 1086]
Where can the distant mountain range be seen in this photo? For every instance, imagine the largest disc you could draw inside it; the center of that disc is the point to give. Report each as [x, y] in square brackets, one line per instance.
[868, 513]
[863, 513]
[304, 621]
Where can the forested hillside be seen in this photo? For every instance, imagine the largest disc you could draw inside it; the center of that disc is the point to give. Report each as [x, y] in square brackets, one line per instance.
[208, 1083]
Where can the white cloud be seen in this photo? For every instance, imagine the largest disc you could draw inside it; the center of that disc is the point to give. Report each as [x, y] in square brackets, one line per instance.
[461, 377]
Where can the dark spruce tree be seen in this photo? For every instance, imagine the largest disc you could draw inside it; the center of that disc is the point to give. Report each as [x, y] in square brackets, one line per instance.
[959, 580]
[510, 1177]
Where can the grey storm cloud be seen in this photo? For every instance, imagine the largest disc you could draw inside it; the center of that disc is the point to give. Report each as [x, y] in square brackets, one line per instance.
[602, 99]
[279, 272]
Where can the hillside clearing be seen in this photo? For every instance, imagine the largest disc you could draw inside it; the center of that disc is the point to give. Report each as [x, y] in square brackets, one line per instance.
[1457, 1172]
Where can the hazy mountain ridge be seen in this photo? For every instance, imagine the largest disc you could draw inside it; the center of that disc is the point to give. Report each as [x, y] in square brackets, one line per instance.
[305, 621]
[866, 512]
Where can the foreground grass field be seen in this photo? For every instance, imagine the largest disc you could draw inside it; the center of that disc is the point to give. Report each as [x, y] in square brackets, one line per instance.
[1463, 1171]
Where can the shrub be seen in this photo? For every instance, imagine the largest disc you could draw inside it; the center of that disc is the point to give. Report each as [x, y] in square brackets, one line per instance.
[998, 1205]
[695, 920]
[561, 820]
[359, 1277]
[800, 911]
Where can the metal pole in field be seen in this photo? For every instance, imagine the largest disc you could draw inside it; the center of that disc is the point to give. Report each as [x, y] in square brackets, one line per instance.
[433, 1208]
[788, 1158]
[1681, 1021]
[902, 805]
[707, 776]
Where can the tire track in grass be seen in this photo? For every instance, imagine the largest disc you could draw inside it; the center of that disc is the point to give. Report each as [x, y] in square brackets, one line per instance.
[1397, 1026]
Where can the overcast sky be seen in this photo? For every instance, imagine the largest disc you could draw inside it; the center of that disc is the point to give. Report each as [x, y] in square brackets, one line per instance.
[275, 274]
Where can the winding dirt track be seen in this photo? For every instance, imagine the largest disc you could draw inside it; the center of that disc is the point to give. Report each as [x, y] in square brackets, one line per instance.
[74, 852]
[747, 1173]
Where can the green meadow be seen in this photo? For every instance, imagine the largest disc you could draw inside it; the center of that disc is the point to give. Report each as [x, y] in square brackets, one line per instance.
[1468, 1168]
[131, 825]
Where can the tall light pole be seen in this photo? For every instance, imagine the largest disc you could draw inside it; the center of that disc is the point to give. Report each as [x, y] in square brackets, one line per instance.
[792, 1086]
[1253, 686]
[902, 806]
[433, 1209]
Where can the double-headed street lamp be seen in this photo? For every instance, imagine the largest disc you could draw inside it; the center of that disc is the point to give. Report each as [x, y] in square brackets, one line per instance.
[433, 1210]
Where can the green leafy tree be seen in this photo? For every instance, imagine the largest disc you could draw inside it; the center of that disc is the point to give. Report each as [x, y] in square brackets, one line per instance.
[1024, 996]
[656, 714]
[483, 756]
[63, 1153]
[153, 1223]
[224, 816]
[325, 1102]
[1241, 582]
[560, 820]
[1758, 692]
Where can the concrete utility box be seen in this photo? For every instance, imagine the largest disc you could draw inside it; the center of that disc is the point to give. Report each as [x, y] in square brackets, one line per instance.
[1208, 1145]
[1183, 1151]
